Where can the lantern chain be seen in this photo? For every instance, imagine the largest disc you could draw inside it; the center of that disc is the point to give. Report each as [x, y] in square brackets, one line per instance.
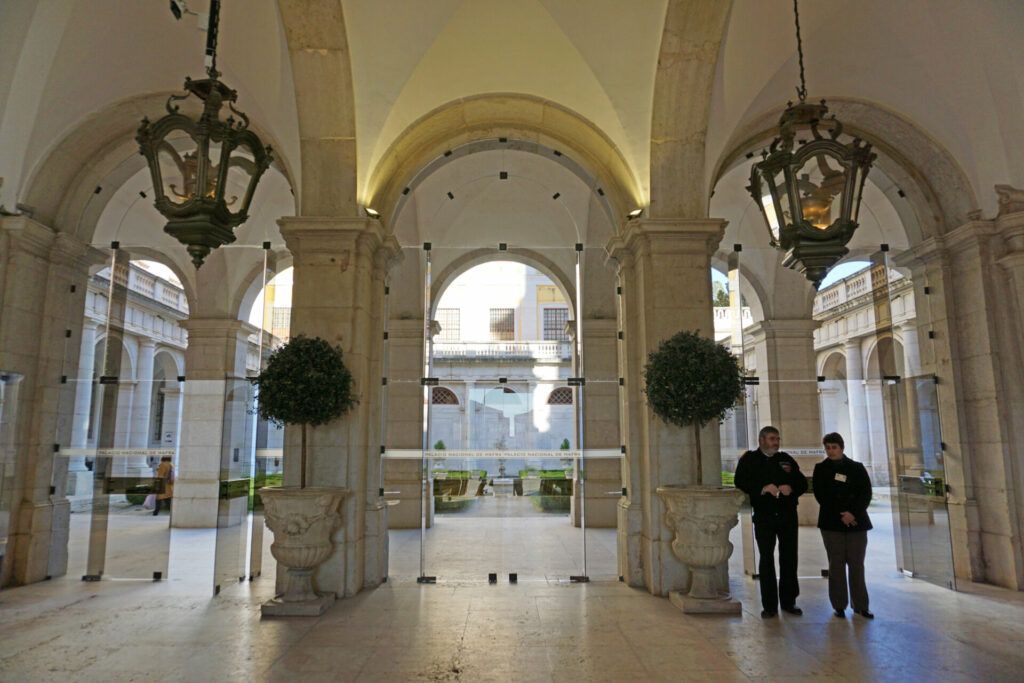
[802, 90]
[211, 38]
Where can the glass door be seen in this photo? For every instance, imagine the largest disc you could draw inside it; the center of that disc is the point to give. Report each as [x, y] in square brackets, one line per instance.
[909, 393]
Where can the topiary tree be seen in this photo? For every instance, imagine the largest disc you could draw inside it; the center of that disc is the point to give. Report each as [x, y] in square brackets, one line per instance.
[305, 383]
[691, 380]
[565, 445]
[439, 446]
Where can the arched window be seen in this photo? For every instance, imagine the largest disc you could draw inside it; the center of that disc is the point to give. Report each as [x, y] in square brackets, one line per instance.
[443, 396]
[562, 396]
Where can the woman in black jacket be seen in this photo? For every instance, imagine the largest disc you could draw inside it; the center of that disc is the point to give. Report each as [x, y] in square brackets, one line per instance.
[843, 491]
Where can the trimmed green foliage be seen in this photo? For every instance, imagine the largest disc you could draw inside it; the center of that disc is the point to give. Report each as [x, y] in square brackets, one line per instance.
[692, 380]
[305, 383]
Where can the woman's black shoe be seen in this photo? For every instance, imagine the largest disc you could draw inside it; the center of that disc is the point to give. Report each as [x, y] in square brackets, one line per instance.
[865, 613]
[793, 610]
[840, 613]
[768, 614]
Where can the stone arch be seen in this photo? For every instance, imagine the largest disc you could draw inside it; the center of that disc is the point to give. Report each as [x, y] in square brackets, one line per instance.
[884, 357]
[322, 73]
[687, 60]
[528, 257]
[244, 296]
[525, 122]
[443, 396]
[753, 291]
[832, 365]
[925, 183]
[69, 188]
[127, 357]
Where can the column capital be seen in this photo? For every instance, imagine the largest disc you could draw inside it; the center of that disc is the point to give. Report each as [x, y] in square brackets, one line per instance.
[854, 343]
[795, 328]
[323, 240]
[690, 236]
[28, 235]
[215, 328]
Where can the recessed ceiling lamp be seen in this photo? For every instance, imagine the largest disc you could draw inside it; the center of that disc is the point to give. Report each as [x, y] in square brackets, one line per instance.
[809, 195]
[635, 213]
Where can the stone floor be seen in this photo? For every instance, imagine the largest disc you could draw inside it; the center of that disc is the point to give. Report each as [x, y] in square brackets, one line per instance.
[543, 628]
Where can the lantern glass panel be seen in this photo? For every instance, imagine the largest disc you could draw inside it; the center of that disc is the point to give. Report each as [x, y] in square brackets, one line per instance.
[241, 169]
[780, 193]
[858, 191]
[215, 150]
[820, 183]
[177, 156]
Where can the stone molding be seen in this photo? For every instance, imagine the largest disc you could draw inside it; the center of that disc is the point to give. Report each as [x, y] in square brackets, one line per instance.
[795, 328]
[674, 236]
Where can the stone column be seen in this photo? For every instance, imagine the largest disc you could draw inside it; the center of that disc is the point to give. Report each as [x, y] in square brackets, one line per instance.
[340, 268]
[788, 388]
[663, 267]
[600, 424]
[43, 276]
[859, 440]
[216, 351]
[911, 349]
[403, 477]
[83, 387]
[467, 405]
[960, 292]
[79, 477]
[143, 404]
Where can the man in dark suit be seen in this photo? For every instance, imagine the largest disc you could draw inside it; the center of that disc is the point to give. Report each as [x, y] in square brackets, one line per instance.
[774, 482]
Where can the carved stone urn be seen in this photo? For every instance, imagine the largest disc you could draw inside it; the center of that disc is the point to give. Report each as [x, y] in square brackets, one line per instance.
[302, 520]
[701, 518]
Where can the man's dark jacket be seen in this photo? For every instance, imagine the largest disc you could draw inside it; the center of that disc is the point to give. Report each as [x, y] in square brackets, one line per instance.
[836, 496]
[756, 470]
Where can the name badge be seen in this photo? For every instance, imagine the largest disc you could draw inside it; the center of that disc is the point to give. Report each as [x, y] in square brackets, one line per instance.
[840, 477]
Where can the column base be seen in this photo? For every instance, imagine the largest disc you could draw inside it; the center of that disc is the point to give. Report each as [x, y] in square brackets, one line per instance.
[689, 605]
[277, 607]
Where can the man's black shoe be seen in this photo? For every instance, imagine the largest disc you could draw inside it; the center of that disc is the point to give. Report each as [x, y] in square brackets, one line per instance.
[793, 610]
[865, 613]
[841, 613]
[768, 614]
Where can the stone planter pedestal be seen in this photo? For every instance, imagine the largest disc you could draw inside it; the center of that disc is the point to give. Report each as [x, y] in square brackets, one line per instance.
[302, 521]
[701, 517]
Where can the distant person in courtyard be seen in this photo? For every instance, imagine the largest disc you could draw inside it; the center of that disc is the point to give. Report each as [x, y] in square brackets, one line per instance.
[774, 482]
[843, 490]
[164, 473]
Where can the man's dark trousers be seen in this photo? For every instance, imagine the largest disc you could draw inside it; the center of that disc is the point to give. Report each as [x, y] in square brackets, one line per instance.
[784, 589]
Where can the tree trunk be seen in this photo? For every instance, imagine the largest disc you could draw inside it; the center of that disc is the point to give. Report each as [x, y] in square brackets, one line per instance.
[698, 468]
[302, 474]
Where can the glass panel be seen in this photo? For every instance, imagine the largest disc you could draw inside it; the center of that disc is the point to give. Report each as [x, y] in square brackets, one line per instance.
[910, 401]
[9, 383]
[821, 180]
[178, 165]
[241, 169]
[236, 483]
[132, 477]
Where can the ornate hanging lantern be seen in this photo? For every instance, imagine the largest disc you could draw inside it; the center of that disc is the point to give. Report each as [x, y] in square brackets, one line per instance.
[204, 170]
[809, 190]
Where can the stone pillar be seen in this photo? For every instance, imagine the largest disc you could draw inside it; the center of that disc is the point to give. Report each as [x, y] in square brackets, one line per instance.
[859, 439]
[973, 351]
[216, 351]
[43, 276]
[663, 268]
[600, 425]
[143, 404]
[911, 350]
[340, 268]
[788, 389]
[83, 387]
[467, 406]
[403, 477]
